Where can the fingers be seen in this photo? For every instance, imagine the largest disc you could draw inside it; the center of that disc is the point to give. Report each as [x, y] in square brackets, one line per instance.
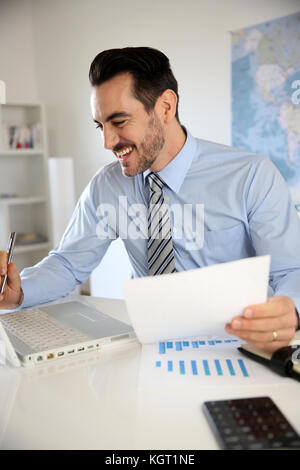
[283, 335]
[264, 324]
[264, 340]
[11, 291]
[260, 322]
[3, 269]
[275, 306]
[13, 280]
[278, 313]
[3, 262]
[13, 273]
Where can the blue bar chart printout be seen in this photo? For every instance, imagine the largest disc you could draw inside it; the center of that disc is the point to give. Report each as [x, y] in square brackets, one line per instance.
[211, 361]
[202, 358]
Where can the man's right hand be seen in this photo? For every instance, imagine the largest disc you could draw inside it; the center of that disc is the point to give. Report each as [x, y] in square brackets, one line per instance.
[12, 291]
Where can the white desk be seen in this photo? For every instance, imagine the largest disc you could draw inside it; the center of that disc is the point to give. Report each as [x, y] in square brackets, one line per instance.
[94, 402]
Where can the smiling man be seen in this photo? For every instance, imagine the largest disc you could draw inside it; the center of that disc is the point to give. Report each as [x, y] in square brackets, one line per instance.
[151, 195]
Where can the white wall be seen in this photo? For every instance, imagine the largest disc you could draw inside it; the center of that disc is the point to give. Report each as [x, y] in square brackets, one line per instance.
[17, 52]
[194, 34]
[67, 34]
[46, 47]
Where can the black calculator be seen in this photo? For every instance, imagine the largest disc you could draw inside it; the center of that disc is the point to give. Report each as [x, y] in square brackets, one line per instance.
[250, 424]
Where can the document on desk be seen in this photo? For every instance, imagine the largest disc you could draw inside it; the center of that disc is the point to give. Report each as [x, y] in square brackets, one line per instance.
[207, 360]
[196, 302]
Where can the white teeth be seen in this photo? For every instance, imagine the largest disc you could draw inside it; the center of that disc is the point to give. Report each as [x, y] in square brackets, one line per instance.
[124, 152]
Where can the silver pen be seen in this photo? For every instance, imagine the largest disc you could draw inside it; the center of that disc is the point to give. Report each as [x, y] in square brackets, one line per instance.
[10, 250]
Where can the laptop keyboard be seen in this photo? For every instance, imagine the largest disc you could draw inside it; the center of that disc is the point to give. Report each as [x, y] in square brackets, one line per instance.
[39, 330]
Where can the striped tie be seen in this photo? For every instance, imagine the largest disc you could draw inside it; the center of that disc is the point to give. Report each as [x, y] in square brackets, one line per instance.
[160, 246]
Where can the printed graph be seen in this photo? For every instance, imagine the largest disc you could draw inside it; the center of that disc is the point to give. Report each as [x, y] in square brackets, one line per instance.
[200, 357]
[183, 345]
[206, 367]
[202, 361]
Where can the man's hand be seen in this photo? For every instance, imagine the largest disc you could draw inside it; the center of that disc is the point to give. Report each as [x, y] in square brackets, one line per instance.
[267, 326]
[12, 291]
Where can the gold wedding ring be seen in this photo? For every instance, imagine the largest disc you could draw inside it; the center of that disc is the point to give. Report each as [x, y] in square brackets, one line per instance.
[274, 335]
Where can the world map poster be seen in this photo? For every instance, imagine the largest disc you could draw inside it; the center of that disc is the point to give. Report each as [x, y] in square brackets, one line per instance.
[266, 92]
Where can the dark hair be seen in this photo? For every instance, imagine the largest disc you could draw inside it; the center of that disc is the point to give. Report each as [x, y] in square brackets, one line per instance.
[150, 69]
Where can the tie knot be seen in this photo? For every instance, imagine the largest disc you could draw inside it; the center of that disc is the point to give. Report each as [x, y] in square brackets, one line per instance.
[155, 182]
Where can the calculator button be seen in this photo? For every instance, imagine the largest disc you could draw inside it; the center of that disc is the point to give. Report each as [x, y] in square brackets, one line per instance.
[295, 444]
[276, 444]
[245, 429]
[289, 434]
[227, 431]
[256, 446]
[231, 439]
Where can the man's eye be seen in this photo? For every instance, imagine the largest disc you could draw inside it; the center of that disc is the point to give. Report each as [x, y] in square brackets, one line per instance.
[119, 123]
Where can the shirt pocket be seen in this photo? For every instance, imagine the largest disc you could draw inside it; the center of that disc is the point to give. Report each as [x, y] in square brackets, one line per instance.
[224, 245]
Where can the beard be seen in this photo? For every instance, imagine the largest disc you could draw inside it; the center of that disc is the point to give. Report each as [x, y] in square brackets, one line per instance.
[150, 147]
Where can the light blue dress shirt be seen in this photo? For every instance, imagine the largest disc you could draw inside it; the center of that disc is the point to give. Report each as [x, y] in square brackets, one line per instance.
[247, 212]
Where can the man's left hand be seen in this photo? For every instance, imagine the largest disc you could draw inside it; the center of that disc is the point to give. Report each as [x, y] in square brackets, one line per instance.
[267, 326]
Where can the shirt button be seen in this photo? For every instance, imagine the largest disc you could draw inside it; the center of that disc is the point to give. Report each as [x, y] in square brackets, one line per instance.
[167, 198]
[187, 255]
[174, 229]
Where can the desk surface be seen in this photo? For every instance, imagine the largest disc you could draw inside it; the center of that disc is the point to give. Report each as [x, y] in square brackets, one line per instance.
[94, 401]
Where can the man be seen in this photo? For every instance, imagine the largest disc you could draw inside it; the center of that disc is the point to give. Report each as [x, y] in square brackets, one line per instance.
[247, 208]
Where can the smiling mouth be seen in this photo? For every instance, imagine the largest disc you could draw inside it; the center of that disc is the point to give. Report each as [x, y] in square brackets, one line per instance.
[124, 154]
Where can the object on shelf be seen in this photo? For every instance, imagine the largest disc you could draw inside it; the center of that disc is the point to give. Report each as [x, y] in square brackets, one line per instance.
[30, 238]
[22, 137]
[8, 195]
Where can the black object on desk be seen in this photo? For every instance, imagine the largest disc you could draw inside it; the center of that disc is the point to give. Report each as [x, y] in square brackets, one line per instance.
[250, 424]
[284, 361]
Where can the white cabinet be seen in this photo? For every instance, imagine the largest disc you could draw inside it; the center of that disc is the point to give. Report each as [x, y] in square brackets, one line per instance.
[24, 191]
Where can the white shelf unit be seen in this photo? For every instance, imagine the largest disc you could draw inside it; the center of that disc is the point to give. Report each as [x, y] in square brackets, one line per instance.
[24, 188]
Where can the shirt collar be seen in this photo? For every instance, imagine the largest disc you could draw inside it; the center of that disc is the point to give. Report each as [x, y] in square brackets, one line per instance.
[174, 173]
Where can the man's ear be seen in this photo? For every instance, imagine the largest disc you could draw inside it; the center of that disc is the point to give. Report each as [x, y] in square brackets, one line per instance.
[167, 103]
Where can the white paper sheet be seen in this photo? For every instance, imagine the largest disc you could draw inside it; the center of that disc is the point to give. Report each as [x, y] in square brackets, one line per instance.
[197, 302]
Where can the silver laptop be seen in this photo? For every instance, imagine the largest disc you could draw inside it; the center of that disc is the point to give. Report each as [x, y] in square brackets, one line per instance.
[49, 333]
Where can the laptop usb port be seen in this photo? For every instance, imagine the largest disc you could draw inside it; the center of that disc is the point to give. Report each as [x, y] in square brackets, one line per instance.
[60, 354]
[71, 352]
[80, 349]
[50, 356]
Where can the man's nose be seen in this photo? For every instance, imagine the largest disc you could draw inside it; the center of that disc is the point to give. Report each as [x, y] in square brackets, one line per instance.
[110, 138]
